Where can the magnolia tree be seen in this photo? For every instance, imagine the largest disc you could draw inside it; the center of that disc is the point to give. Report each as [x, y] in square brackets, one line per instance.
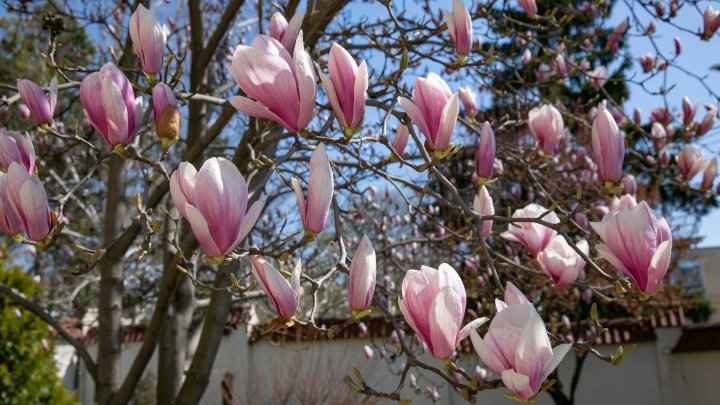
[462, 170]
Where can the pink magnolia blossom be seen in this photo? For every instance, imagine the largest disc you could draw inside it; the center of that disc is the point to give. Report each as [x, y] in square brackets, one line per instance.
[529, 7]
[110, 105]
[279, 88]
[709, 174]
[284, 32]
[616, 35]
[711, 22]
[678, 46]
[459, 25]
[16, 148]
[629, 184]
[608, 146]
[535, 237]
[483, 205]
[282, 294]
[148, 39]
[544, 72]
[647, 61]
[346, 88]
[362, 276]
[467, 96]
[597, 77]
[526, 57]
[42, 108]
[560, 65]
[433, 109]
[689, 110]
[517, 347]
[485, 155]
[28, 199]
[559, 261]
[690, 161]
[638, 243]
[708, 120]
[162, 96]
[402, 135]
[314, 210]
[658, 135]
[214, 201]
[433, 305]
[547, 127]
[10, 224]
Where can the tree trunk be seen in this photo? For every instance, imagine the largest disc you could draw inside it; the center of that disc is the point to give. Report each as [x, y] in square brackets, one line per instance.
[111, 287]
[198, 376]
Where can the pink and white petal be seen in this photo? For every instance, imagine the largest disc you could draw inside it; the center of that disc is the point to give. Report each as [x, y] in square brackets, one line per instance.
[559, 353]
[259, 110]
[248, 222]
[300, 198]
[472, 325]
[332, 96]
[115, 112]
[446, 314]
[360, 96]
[658, 267]
[306, 85]
[201, 231]
[417, 118]
[517, 383]
[486, 354]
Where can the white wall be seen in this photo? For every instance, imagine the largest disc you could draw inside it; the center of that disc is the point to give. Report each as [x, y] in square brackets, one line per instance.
[267, 373]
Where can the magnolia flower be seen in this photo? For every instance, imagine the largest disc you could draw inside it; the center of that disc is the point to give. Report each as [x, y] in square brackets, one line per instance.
[658, 135]
[148, 39]
[535, 237]
[467, 96]
[16, 148]
[10, 224]
[689, 110]
[708, 120]
[690, 161]
[483, 205]
[647, 62]
[346, 88]
[517, 346]
[608, 146]
[459, 25]
[165, 112]
[433, 305]
[526, 57]
[284, 32]
[314, 210]
[110, 105]
[597, 77]
[638, 242]
[214, 201]
[678, 46]
[709, 174]
[402, 135]
[629, 184]
[637, 116]
[28, 198]
[616, 35]
[362, 276]
[279, 88]
[485, 155]
[434, 109]
[281, 293]
[546, 126]
[42, 108]
[559, 261]
[711, 22]
[544, 72]
[561, 69]
[529, 7]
